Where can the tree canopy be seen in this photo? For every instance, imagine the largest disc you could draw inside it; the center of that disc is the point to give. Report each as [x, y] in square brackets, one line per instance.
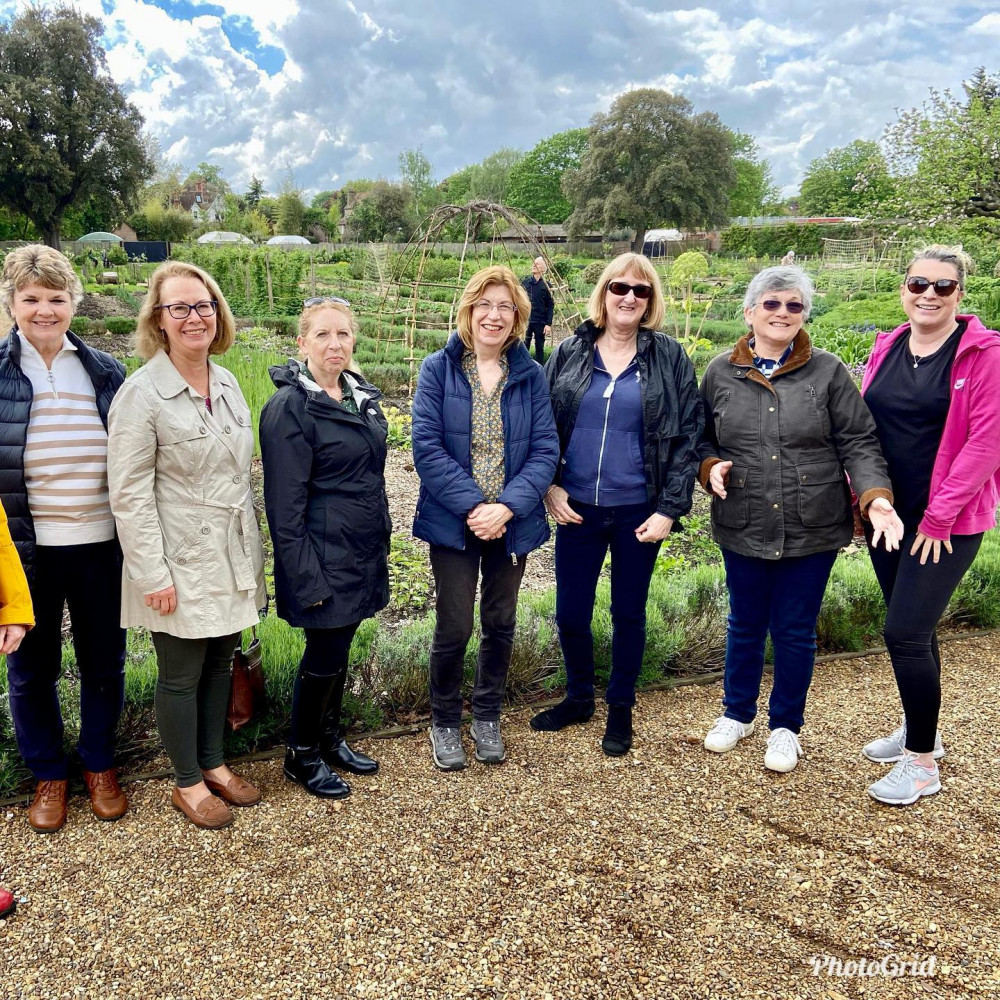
[384, 213]
[847, 180]
[66, 130]
[536, 179]
[651, 161]
[754, 192]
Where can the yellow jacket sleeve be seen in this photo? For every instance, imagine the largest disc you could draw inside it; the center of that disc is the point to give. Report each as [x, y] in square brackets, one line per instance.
[15, 600]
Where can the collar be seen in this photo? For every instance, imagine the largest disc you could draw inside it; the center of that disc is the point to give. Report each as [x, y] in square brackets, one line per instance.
[742, 356]
[67, 344]
[169, 382]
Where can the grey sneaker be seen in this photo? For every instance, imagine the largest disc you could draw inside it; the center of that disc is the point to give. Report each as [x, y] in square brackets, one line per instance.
[726, 733]
[891, 748]
[489, 743]
[446, 748]
[906, 783]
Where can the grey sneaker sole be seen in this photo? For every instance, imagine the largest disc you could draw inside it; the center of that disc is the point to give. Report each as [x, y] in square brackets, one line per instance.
[937, 755]
[458, 764]
[490, 758]
[929, 790]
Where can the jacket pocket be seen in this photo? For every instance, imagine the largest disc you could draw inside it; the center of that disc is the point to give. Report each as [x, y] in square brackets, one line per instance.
[734, 511]
[823, 496]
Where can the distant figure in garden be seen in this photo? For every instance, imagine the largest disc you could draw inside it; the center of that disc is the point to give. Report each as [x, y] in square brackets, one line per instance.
[542, 308]
[783, 421]
[55, 394]
[179, 455]
[788, 259]
[323, 443]
[629, 416]
[933, 387]
[485, 448]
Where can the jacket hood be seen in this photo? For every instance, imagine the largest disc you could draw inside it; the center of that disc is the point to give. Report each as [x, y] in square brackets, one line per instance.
[519, 361]
[293, 372]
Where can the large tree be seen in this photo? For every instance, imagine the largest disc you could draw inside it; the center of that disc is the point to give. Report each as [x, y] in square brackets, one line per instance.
[66, 130]
[536, 179]
[385, 213]
[415, 171]
[754, 192]
[651, 161]
[848, 180]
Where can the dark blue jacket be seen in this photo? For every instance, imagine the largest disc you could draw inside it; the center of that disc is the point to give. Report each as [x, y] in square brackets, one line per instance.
[16, 394]
[542, 304]
[442, 441]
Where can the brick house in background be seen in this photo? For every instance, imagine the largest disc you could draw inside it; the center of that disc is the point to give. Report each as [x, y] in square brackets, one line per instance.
[202, 201]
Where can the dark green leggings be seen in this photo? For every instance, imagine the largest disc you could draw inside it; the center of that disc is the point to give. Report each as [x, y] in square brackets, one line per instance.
[192, 696]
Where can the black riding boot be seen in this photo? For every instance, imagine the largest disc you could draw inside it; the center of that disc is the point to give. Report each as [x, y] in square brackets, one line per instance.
[333, 747]
[303, 762]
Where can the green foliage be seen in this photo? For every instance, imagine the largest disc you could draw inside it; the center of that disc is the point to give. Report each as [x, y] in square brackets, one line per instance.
[852, 346]
[754, 192]
[120, 324]
[850, 180]
[385, 214]
[806, 240]
[881, 311]
[536, 179]
[400, 425]
[410, 581]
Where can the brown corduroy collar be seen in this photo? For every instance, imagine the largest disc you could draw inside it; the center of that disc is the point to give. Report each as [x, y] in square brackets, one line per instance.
[742, 355]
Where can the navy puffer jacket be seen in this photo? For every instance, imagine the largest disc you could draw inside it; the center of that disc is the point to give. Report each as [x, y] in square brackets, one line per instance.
[442, 441]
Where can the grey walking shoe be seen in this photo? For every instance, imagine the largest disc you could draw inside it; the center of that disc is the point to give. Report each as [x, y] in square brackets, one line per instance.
[906, 783]
[446, 748]
[891, 748]
[489, 743]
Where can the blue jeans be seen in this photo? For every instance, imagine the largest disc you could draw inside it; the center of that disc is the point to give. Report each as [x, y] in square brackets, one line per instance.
[783, 597]
[580, 552]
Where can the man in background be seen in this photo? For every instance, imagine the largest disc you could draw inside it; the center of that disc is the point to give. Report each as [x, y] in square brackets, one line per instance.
[542, 306]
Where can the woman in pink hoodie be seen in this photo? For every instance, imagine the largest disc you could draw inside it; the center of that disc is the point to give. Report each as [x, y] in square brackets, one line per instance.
[932, 387]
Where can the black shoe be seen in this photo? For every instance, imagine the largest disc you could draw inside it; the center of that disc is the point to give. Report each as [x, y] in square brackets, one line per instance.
[618, 734]
[339, 755]
[566, 713]
[306, 767]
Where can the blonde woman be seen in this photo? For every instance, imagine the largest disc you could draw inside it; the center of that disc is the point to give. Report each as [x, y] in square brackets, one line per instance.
[179, 455]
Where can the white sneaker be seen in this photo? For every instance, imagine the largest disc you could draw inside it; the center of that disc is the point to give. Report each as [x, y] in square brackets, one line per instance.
[783, 751]
[726, 733]
[891, 748]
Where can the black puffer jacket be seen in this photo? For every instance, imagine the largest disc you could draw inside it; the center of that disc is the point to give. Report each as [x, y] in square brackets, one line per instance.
[324, 491]
[16, 393]
[671, 410]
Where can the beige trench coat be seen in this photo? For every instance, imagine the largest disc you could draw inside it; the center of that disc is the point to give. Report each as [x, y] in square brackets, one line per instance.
[179, 480]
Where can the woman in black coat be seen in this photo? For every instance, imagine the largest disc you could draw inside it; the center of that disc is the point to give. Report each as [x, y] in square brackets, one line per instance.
[323, 443]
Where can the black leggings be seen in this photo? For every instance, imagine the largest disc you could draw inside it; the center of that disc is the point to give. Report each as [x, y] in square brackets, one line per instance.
[915, 598]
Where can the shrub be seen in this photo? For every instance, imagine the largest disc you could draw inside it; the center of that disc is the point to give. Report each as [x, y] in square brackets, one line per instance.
[120, 324]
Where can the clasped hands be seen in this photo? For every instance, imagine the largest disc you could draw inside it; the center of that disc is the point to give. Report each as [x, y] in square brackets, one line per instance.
[487, 520]
[655, 528]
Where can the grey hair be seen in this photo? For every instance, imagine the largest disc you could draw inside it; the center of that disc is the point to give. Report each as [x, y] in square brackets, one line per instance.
[781, 279]
[955, 256]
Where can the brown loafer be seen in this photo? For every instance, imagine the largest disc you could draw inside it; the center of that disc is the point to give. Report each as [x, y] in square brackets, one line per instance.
[106, 796]
[237, 792]
[209, 814]
[47, 813]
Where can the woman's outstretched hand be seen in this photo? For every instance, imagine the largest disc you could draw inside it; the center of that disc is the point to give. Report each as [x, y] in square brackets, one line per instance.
[886, 524]
[929, 546]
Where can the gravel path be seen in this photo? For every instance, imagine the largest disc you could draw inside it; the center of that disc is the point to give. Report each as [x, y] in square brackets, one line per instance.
[671, 873]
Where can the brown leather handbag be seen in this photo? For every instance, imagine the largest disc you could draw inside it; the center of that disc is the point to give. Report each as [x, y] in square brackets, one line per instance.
[246, 693]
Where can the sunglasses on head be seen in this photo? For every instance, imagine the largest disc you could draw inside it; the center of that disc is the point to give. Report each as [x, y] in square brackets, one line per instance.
[943, 286]
[318, 300]
[773, 305]
[623, 288]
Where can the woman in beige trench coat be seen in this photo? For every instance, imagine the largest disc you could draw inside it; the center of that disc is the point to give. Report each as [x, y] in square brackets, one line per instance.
[180, 443]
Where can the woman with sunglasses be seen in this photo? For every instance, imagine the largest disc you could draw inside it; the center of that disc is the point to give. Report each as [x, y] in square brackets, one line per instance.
[485, 449]
[323, 445]
[180, 443]
[783, 421]
[932, 387]
[629, 416]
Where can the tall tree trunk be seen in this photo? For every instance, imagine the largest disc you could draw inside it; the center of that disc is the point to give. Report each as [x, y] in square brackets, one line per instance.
[50, 234]
[640, 238]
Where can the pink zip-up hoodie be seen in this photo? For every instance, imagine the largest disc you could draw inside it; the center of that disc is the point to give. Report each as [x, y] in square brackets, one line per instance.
[965, 481]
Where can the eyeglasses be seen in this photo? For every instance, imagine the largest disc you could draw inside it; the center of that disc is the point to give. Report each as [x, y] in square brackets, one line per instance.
[773, 305]
[181, 310]
[318, 300]
[943, 286]
[623, 288]
[504, 308]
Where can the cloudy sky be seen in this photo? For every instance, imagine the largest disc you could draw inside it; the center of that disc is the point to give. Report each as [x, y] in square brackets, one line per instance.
[335, 89]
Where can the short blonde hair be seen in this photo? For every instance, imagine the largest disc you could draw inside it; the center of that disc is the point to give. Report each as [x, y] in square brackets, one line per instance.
[622, 264]
[148, 339]
[497, 274]
[38, 265]
[308, 316]
[955, 256]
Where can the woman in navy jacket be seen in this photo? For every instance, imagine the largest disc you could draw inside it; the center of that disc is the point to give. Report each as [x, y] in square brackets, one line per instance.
[485, 447]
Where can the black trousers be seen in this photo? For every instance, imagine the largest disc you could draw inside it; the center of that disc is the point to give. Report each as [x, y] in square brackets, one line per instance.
[536, 331]
[915, 598]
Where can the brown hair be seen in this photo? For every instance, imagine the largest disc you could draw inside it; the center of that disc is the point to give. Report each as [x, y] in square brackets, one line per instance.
[148, 338]
[38, 265]
[622, 264]
[497, 274]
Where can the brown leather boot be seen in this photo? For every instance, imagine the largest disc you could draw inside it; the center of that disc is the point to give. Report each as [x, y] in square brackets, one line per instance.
[106, 796]
[48, 811]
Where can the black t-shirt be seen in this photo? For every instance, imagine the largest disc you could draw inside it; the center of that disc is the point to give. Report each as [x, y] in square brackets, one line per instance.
[909, 399]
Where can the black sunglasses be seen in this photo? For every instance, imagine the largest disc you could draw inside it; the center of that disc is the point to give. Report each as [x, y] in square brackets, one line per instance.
[943, 286]
[773, 305]
[623, 288]
[318, 300]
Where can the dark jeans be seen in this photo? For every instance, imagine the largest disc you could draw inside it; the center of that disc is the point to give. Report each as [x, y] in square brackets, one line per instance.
[783, 597]
[88, 579]
[580, 552]
[915, 598]
[536, 331]
[192, 696]
[456, 574]
[325, 655]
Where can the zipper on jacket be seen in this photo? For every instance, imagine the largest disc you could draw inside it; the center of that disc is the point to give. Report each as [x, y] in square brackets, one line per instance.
[608, 393]
[52, 382]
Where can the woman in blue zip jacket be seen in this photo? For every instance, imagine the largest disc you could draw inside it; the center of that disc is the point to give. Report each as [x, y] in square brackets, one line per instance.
[629, 416]
[485, 447]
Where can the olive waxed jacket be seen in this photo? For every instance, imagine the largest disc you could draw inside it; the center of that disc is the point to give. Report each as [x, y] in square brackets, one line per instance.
[790, 440]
